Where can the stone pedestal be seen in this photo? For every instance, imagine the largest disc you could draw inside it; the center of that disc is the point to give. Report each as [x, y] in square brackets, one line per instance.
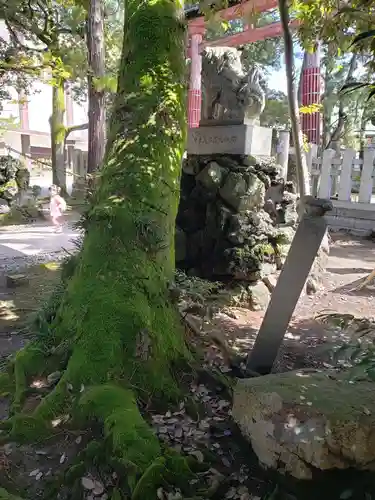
[225, 229]
[236, 216]
[233, 139]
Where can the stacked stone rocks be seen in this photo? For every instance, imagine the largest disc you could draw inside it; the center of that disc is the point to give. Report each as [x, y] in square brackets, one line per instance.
[14, 177]
[235, 223]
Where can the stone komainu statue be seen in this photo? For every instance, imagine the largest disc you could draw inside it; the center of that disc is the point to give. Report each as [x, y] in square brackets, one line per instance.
[229, 92]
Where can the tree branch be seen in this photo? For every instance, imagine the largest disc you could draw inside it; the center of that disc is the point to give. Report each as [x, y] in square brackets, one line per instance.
[339, 130]
[14, 18]
[74, 128]
[4, 67]
[17, 40]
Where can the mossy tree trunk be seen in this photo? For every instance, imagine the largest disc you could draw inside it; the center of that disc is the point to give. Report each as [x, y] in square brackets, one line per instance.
[58, 134]
[115, 323]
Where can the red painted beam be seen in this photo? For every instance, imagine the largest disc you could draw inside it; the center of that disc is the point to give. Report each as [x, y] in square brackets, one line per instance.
[251, 35]
[237, 11]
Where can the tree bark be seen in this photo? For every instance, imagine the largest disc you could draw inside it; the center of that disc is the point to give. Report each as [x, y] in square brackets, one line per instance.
[97, 108]
[115, 326]
[334, 141]
[58, 135]
[299, 92]
[362, 134]
[301, 165]
[329, 66]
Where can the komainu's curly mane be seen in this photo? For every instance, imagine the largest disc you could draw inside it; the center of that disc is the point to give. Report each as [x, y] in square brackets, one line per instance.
[230, 92]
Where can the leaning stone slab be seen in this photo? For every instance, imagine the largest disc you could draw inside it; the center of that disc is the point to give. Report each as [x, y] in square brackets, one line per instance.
[230, 139]
[16, 280]
[298, 422]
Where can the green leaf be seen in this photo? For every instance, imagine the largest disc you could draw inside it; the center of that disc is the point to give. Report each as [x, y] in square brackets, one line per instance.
[351, 86]
[225, 25]
[311, 108]
[363, 36]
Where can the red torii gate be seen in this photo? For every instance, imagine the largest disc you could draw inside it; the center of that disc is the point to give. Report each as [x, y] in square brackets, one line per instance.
[311, 80]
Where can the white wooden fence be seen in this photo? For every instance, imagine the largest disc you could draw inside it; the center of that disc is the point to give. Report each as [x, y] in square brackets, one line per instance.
[348, 179]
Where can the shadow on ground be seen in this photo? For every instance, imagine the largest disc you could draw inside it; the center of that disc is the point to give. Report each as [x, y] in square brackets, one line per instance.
[19, 302]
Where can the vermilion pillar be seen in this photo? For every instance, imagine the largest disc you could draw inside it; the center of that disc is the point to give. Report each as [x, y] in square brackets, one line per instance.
[195, 92]
[311, 92]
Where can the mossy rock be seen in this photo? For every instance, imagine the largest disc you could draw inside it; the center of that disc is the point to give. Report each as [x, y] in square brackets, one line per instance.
[9, 190]
[299, 422]
[21, 215]
[4, 495]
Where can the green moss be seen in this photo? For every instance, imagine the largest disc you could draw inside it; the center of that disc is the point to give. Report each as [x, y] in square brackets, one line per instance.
[75, 472]
[9, 187]
[116, 495]
[21, 215]
[27, 428]
[150, 480]
[266, 249]
[338, 399]
[178, 471]
[28, 361]
[116, 311]
[4, 495]
[6, 384]
[130, 436]
[57, 126]
[92, 450]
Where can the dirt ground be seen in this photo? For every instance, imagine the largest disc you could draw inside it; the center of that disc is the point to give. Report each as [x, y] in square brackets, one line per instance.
[350, 261]
[36, 468]
[308, 341]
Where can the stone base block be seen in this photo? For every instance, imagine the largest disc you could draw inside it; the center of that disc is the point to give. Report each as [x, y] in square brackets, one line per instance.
[230, 139]
[300, 422]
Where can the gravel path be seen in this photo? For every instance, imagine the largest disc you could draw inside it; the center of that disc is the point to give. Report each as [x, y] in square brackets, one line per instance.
[350, 261]
[30, 244]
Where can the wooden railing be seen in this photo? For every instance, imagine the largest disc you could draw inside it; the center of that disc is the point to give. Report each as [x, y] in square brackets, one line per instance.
[346, 179]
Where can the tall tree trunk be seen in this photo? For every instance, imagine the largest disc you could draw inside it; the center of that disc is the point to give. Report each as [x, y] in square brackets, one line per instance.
[116, 328]
[329, 65]
[362, 134]
[335, 139]
[58, 135]
[300, 89]
[97, 109]
[301, 165]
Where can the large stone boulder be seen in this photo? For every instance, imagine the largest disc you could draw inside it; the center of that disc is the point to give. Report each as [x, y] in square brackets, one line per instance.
[301, 422]
[12, 177]
[4, 207]
[9, 190]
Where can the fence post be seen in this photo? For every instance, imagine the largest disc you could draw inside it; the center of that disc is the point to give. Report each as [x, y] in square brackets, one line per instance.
[325, 174]
[310, 154]
[345, 186]
[365, 188]
[282, 156]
